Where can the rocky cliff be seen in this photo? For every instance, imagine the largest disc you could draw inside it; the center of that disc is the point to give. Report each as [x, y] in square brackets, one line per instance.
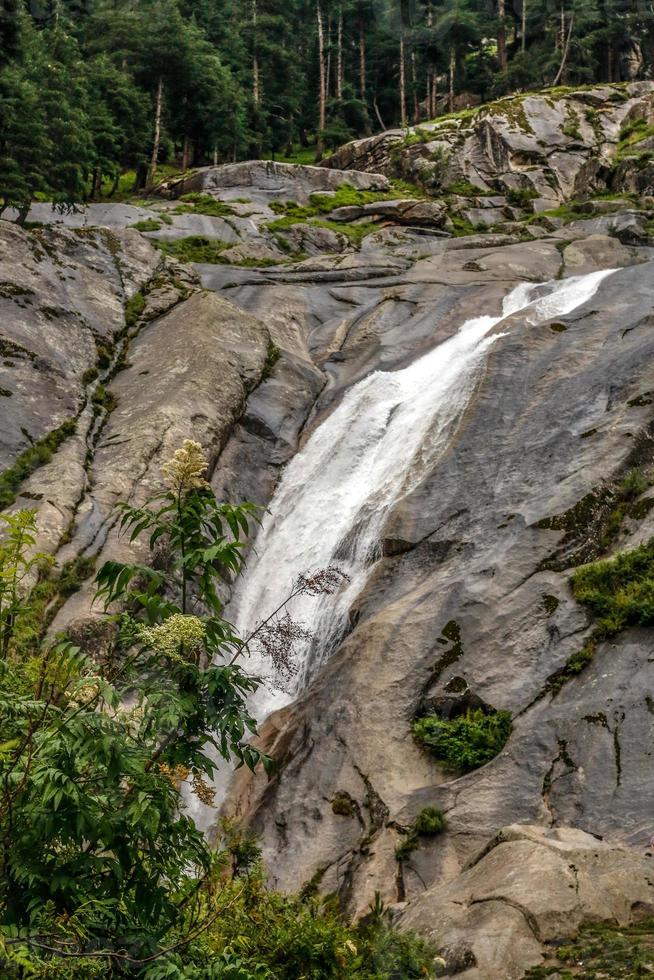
[114, 351]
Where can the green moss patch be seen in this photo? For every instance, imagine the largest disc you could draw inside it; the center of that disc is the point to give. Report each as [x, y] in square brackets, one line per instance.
[38, 454]
[594, 522]
[47, 597]
[343, 805]
[550, 603]
[354, 232]
[195, 248]
[465, 742]
[463, 227]
[631, 134]
[148, 224]
[429, 823]
[102, 399]
[197, 203]
[620, 593]
[133, 309]
[463, 188]
[521, 197]
[601, 950]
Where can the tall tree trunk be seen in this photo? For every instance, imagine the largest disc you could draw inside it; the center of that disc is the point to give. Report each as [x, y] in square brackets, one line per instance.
[339, 55]
[156, 143]
[322, 80]
[256, 78]
[414, 85]
[452, 69]
[560, 34]
[433, 94]
[96, 183]
[501, 35]
[186, 153]
[328, 57]
[378, 113]
[431, 72]
[609, 62]
[363, 83]
[566, 47]
[523, 27]
[403, 119]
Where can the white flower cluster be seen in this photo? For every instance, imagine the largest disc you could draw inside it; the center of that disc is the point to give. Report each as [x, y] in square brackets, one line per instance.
[176, 633]
[184, 471]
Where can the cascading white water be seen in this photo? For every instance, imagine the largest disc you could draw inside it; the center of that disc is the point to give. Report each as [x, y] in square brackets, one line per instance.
[375, 447]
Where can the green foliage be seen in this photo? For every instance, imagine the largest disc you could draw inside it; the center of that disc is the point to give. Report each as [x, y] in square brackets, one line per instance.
[343, 196]
[295, 214]
[273, 354]
[103, 399]
[37, 610]
[430, 822]
[619, 592]
[464, 188]
[134, 307]
[348, 196]
[78, 92]
[18, 562]
[466, 741]
[102, 873]
[601, 950]
[148, 224]
[550, 603]
[38, 454]
[343, 805]
[462, 226]
[195, 248]
[197, 203]
[266, 935]
[93, 757]
[521, 196]
[89, 376]
[632, 133]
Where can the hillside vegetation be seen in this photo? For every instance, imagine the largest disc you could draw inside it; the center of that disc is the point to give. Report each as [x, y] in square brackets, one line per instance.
[97, 100]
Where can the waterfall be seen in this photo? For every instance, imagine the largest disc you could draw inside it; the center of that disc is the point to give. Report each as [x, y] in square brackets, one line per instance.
[375, 447]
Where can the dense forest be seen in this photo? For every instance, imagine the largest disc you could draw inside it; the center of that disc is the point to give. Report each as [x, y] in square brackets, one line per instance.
[90, 91]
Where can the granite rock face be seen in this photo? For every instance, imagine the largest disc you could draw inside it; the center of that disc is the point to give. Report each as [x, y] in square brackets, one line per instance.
[529, 886]
[536, 150]
[471, 597]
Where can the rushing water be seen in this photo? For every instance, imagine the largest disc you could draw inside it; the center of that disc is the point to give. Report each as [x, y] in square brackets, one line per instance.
[376, 446]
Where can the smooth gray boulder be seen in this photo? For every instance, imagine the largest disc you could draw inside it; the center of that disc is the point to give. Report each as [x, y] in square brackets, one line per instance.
[277, 181]
[403, 212]
[529, 886]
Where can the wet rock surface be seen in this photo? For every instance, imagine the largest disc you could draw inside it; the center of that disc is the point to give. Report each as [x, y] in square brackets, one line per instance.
[248, 355]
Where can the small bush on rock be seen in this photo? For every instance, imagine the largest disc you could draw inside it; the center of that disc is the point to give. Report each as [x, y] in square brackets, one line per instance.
[430, 822]
[467, 741]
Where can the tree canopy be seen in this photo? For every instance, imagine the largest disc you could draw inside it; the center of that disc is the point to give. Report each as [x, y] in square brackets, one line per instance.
[90, 92]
